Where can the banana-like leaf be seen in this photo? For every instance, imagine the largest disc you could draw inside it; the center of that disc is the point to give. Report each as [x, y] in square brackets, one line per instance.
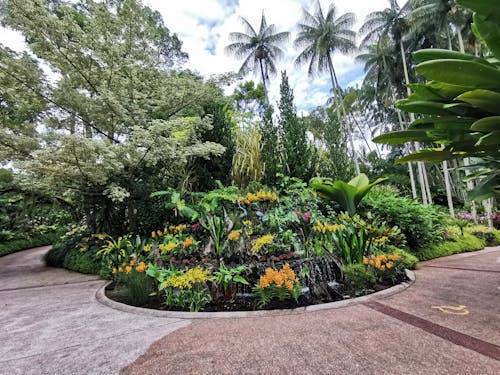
[485, 188]
[447, 90]
[424, 55]
[429, 155]
[403, 136]
[486, 100]
[490, 33]
[486, 8]
[460, 72]
[347, 195]
[490, 139]
[450, 123]
[487, 124]
[428, 107]
[424, 92]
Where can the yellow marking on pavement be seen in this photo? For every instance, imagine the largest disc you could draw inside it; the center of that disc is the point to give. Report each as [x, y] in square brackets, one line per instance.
[454, 310]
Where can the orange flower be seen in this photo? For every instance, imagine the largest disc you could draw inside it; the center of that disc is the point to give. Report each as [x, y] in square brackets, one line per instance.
[141, 267]
[365, 260]
[382, 268]
[288, 285]
[389, 265]
[132, 262]
[120, 269]
[234, 235]
[128, 269]
[187, 242]
[113, 271]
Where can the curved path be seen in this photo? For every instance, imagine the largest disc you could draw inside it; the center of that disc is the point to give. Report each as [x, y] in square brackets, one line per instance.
[51, 324]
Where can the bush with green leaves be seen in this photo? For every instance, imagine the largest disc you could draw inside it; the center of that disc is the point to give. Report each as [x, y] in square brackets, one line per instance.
[461, 244]
[420, 224]
[359, 278]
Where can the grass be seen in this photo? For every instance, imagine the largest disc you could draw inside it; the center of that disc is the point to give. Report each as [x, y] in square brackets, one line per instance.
[455, 245]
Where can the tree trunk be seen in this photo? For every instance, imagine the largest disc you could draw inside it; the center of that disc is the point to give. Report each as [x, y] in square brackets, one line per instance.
[421, 168]
[337, 101]
[263, 80]
[410, 169]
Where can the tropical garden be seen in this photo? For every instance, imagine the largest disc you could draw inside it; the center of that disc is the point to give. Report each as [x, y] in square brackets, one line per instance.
[189, 198]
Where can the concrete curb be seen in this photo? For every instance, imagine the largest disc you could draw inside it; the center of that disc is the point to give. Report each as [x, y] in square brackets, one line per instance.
[102, 298]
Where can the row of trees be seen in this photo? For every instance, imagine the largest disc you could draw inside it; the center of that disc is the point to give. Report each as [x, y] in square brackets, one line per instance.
[389, 37]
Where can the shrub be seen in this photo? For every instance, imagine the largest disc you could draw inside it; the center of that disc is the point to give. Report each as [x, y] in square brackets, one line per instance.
[359, 278]
[455, 245]
[419, 223]
[77, 261]
[135, 288]
[41, 239]
[490, 237]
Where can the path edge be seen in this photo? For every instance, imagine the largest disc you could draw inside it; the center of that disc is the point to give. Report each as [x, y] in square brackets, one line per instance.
[103, 299]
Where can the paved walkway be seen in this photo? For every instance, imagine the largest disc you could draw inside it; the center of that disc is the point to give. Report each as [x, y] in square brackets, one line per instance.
[448, 322]
[409, 333]
[50, 322]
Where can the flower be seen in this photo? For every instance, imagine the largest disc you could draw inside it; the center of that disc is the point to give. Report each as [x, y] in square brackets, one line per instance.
[128, 269]
[234, 235]
[325, 227]
[298, 213]
[114, 270]
[141, 267]
[259, 196]
[187, 242]
[307, 216]
[260, 242]
[168, 247]
[284, 277]
[195, 227]
[147, 248]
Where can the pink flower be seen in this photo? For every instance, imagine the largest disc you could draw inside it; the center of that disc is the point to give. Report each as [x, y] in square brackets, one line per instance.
[195, 227]
[307, 216]
[298, 213]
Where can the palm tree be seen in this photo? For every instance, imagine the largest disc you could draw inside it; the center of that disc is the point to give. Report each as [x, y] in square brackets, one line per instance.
[259, 49]
[320, 36]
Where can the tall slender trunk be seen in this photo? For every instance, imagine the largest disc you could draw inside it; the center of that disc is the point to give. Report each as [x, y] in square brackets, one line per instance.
[410, 168]
[337, 101]
[263, 80]
[421, 167]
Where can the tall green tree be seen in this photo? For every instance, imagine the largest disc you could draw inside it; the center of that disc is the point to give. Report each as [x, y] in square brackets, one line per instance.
[260, 49]
[297, 153]
[119, 119]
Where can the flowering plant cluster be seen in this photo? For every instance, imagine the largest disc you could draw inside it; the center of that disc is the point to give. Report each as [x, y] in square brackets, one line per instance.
[260, 196]
[129, 267]
[277, 284]
[386, 267]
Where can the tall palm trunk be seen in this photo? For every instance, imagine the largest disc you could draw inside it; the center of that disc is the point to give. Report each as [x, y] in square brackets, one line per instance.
[338, 105]
[422, 176]
[410, 168]
[263, 80]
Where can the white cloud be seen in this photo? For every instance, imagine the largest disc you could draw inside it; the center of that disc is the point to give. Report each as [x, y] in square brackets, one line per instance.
[204, 27]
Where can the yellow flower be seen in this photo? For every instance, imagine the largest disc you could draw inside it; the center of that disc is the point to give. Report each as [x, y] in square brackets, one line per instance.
[259, 196]
[128, 269]
[260, 242]
[168, 247]
[113, 271]
[234, 235]
[153, 234]
[382, 268]
[365, 260]
[83, 249]
[389, 265]
[120, 269]
[147, 248]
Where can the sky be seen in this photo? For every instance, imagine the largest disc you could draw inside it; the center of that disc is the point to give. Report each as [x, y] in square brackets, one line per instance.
[204, 27]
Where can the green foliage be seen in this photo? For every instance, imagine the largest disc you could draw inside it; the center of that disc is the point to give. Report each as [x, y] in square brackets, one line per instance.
[359, 277]
[409, 260]
[419, 223]
[348, 195]
[247, 162]
[135, 288]
[41, 239]
[331, 141]
[461, 244]
[83, 262]
[460, 105]
[270, 152]
[297, 153]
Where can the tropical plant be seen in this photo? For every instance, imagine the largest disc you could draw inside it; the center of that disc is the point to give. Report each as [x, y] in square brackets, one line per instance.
[260, 49]
[247, 159]
[347, 195]
[460, 105]
[227, 278]
[277, 284]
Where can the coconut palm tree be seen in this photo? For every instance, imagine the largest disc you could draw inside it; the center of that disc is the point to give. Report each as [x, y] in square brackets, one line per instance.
[319, 36]
[260, 49]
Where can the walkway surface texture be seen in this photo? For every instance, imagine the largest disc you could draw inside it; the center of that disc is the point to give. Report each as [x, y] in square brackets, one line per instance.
[448, 322]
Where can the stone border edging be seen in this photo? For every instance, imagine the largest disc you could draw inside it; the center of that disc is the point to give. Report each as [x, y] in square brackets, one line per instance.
[102, 298]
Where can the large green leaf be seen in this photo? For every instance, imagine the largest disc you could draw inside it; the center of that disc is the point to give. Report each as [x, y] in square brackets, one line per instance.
[430, 155]
[425, 107]
[462, 73]
[489, 32]
[451, 123]
[359, 181]
[483, 99]
[403, 136]
[487, 124]
[490, 139]
[487, 8]
[424, 92]
[446, 90]
[424, 55]
[338, 191]
[363, 190]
